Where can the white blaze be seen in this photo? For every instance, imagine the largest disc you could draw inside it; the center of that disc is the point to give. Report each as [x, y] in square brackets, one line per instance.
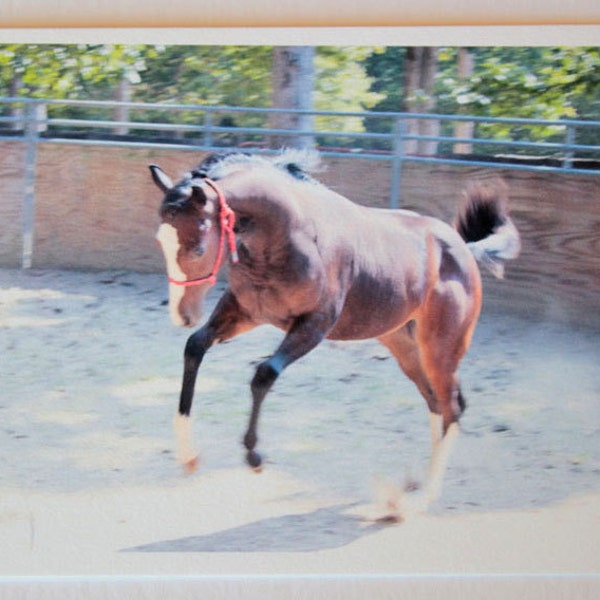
[169, 241]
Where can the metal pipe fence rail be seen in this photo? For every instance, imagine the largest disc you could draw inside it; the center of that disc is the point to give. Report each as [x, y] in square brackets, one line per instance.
[192, 127]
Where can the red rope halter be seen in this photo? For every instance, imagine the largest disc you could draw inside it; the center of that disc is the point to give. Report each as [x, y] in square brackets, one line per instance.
[227, 223]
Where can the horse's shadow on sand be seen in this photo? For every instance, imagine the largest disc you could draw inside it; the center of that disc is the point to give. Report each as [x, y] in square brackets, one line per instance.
[322, 529]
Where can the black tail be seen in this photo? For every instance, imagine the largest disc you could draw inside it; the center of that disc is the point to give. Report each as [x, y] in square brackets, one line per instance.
[483, 222]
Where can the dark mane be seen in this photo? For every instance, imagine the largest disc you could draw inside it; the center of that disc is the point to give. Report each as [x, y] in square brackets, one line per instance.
[211, 163]
[297, 163]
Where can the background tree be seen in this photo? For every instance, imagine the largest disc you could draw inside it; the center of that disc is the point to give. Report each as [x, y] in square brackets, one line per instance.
[208, 76]
[293, 87]
[535, 82]
[465, 65]
[405, 79]
[323, 79]
[71, 71]
[420, 71]
[385, 67]
[342, 85]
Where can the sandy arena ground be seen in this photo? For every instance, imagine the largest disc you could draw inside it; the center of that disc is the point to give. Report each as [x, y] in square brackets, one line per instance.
[90, 494]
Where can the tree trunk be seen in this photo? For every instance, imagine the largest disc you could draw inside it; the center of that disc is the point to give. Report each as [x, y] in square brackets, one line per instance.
[409, 102]
[121, 113]
[293, 84]
[15, 111]
[420, 69]
[464, 129]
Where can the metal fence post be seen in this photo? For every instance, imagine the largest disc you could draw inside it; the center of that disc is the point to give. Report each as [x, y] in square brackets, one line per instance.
[31, 142]
[570, 140]
[398, 152]
[208, 124]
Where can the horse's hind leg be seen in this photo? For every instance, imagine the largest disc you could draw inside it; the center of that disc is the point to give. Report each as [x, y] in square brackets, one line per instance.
[403, 346]
[429, 356]
[443, 336]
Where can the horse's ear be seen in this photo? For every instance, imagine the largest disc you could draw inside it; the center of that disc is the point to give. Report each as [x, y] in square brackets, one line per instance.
[160, 178]
[198, 195]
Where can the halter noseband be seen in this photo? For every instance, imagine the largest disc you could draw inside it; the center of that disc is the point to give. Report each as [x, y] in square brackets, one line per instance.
[227, 223]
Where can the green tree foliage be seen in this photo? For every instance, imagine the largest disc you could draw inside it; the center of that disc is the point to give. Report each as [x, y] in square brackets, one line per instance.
[208, 75]
[537, 82]
[534, 83]
[72, 71]
[526, 82]
[343, 85]
[385, 67]
[543, 83]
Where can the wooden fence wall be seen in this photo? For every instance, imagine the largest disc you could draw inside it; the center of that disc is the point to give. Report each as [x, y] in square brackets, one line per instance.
[96, 209]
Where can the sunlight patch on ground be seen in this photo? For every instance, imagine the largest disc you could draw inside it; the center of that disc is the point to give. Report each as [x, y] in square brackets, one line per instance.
[154, 391]
[15, 322]
[306, 445]
[65, 417]
[17, 295]
[109, 451]
[514, 410]
[15, 301]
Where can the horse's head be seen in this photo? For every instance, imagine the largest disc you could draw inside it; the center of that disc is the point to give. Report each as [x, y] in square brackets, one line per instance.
[189, 238]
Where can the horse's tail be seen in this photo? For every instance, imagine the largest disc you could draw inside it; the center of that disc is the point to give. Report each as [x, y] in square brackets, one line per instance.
[483, 222]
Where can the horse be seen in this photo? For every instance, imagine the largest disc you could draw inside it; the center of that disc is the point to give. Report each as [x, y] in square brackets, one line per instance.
[311, 262]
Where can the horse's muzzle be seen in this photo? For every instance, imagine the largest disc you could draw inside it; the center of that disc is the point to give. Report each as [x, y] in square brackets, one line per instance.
[184, 319]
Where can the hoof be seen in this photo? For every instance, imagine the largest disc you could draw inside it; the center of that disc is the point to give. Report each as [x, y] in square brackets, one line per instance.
[391, 519]
[411, 486]
[414, 503]
[191, 465]
[399, 503]
[254, 460]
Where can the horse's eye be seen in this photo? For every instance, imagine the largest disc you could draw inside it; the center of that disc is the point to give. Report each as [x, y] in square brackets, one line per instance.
[204, 225]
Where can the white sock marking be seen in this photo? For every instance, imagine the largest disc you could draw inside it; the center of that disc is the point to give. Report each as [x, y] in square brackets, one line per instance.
[439, 462]
[435, 427]
[182, 425]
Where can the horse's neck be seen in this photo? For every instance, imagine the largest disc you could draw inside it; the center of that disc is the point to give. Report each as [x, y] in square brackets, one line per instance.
[264, 223]
[259, 199]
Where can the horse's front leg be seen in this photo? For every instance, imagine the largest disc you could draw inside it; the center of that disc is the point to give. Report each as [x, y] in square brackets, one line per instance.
[305, 334]
[196, 347]
[226, 321]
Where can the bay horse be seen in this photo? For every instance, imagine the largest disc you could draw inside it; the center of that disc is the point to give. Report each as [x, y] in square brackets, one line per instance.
[318, 266]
